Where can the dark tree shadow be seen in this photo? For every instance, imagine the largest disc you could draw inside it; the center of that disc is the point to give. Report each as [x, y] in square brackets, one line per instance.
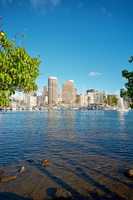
[12, 196]
[108, 193]
[75, 194]
[51, 192]
[116, 179]
[94, 195]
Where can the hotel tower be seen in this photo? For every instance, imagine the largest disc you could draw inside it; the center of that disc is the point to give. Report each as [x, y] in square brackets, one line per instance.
[69, 92]
[52, 91]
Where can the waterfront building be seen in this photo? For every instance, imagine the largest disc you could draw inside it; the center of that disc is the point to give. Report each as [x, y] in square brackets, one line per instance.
[45, 91]
[77, 99]
[95, 97]
[46, 101]
[82, 100]
[59, 100]
[17, 101]
[39, 100]
[52, 91]
[45, 96]
[30, 100]
[13, 105]
[91, 96]
[69, 93]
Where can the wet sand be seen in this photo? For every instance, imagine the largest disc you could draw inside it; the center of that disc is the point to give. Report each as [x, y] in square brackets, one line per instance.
[93, 177]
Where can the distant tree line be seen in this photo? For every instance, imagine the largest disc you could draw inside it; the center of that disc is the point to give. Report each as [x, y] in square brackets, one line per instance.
[111, 100]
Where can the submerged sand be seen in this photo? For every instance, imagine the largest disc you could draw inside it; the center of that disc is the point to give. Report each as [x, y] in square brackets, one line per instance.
[94, 178]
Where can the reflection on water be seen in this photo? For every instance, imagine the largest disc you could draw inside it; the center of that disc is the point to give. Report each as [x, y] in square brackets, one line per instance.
[65, 134]
[122, 118]
[66, 128]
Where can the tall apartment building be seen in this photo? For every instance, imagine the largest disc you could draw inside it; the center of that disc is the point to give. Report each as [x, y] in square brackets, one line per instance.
[69, 92]
[52, 91]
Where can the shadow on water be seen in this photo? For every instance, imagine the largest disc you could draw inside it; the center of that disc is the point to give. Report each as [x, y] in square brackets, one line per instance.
[12, 196]
[51, 192]
[116, 179]
[111, 195]
[75, 194]
[94, 195]
[119, 179]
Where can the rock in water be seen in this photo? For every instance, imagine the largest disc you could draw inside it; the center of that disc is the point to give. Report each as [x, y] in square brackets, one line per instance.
[22, 169]
[45, 163]
[130, 173]
[8, 178]
[63, 194]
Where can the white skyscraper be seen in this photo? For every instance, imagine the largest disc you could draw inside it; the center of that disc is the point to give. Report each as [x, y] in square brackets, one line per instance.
[52, 91]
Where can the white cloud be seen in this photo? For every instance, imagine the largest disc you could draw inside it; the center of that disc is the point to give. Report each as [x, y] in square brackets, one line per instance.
[94, 74]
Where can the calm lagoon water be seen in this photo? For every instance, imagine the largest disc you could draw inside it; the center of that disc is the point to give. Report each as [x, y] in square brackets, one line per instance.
[88, 154]
[66, 135]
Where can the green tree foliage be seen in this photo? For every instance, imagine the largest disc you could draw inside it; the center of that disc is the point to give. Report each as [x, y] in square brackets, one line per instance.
[18, 70]
[112, 100]
[127, 92]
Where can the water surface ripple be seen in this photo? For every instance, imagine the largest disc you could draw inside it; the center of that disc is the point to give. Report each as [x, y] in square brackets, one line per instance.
[65, 135]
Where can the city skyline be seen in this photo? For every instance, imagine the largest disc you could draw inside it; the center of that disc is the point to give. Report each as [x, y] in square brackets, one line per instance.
[79, 91]
[60, 86]
[54, 90]
[87, 41]
[68, 97]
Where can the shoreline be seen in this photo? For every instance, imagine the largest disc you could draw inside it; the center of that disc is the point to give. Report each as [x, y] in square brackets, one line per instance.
[66, 180]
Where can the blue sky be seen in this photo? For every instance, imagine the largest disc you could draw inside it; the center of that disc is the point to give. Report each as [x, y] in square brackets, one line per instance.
[88, 41]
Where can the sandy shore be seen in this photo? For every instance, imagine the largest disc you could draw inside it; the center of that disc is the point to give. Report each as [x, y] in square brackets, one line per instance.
[99, 178]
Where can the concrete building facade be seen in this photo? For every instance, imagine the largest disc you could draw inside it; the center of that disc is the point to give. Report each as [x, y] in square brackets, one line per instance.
[69, 93]
[95, 97]
[52, 91]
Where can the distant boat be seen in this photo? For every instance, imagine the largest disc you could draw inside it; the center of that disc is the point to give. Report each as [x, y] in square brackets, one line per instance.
[75, 108]
[123, 110]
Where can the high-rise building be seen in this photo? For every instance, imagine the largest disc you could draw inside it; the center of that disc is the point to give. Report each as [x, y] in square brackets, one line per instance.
[45, 91]
[45, 96]
[69, 92]
[52, 91]
[39, 101]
